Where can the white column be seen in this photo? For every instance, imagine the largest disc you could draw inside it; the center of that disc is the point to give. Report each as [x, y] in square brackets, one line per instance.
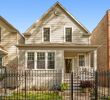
[35, 60]
[46, 59]
[26, 60]
[95, 60]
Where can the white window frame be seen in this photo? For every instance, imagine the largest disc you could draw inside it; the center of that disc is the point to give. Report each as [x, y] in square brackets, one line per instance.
[43, 34]
[65, 34]
[35, 59]
[26, 55]
[47, 59]
[85, 60]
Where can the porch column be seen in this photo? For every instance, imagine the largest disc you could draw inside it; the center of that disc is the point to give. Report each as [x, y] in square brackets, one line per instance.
[95, 60]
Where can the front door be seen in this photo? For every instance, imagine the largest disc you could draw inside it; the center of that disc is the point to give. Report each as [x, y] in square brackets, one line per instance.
[68, 65]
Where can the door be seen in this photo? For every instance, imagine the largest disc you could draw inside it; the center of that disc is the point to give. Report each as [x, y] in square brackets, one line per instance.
[68, 65]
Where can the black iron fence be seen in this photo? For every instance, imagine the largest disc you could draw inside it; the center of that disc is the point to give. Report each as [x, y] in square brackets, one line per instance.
[102, 85]
[54, 85]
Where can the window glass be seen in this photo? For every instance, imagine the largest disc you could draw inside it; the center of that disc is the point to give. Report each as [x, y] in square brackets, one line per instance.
[41, 60]
[81, 60]
[68, 34]
[47, 34]
[30, 60]
[51, 60]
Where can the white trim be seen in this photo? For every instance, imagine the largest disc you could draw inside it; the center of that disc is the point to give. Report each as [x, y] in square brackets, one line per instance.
[26, 60]
[43, 34]
[69, 14]
[46, 60]
[95, 60]
[85, 59]
[72, 58]
[65, 34]
[35, 59]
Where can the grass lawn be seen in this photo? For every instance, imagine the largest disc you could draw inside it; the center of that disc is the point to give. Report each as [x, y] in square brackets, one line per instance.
[33, 96]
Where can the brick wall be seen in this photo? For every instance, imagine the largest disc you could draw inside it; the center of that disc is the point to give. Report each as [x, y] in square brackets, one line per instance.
[99, 37]
[108, 23]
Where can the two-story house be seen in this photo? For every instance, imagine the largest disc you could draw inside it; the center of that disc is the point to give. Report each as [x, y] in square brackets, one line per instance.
[57, 41]
[9, 37]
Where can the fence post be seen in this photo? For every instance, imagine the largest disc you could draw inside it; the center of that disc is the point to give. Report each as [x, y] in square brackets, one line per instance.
[4, 74]
[96, 85]
[71, 85]
[108, 75]
[25, 83]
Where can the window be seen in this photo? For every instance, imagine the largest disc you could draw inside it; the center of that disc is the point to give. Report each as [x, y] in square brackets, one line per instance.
[41, 60]
[0, 61]
[92, 59]
[0, 34]
[51, 60]
[30, 60]
[81, 60]
[46, 34]
[68, 34]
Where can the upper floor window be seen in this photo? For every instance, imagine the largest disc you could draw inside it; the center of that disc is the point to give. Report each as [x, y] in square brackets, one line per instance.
[68, 34]
[0, 33]
[81, 60]
[30, 60]
[46, 34]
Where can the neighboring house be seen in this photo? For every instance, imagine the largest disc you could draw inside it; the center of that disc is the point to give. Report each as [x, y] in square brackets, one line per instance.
[101, 36]
[57, 41]
[9, 37]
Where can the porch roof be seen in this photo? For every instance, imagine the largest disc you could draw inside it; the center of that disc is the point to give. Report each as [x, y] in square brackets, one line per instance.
[59, 46]
[3, 51]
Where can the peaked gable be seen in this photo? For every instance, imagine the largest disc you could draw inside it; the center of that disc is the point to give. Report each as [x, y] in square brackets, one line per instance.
[47, 13]
[8, 24]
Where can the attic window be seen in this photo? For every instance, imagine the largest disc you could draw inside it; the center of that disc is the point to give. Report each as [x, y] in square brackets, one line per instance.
[68, 34]
[46, 34]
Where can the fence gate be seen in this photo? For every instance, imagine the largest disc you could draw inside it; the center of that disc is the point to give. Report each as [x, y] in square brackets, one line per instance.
[81, 85]
[53, 85]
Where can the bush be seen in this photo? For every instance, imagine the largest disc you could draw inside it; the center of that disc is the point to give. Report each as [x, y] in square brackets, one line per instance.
[56, 87]
[64, 86]
[60, 87]
[86, 84]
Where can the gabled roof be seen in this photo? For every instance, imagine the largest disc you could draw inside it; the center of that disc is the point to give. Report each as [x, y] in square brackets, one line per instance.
[6, 22]
[9, 25]
[57, 4]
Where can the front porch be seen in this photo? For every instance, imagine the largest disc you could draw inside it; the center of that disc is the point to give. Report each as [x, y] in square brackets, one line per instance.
[81, 63]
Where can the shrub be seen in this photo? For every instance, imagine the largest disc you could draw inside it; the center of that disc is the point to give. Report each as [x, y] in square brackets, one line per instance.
[60, 87]
[56, 87]
[64, 86]
[86, 84]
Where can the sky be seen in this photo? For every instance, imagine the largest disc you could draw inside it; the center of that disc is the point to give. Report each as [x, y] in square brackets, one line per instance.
[23, 13]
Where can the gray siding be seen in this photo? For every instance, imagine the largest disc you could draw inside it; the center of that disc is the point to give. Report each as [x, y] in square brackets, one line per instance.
[57, 24]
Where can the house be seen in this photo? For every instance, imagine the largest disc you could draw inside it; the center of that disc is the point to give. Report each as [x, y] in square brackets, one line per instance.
[57, 41]
[9, 37]
[101, 36]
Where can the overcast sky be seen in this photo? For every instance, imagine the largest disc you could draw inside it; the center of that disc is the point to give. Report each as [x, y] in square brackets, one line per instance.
[23, 13]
